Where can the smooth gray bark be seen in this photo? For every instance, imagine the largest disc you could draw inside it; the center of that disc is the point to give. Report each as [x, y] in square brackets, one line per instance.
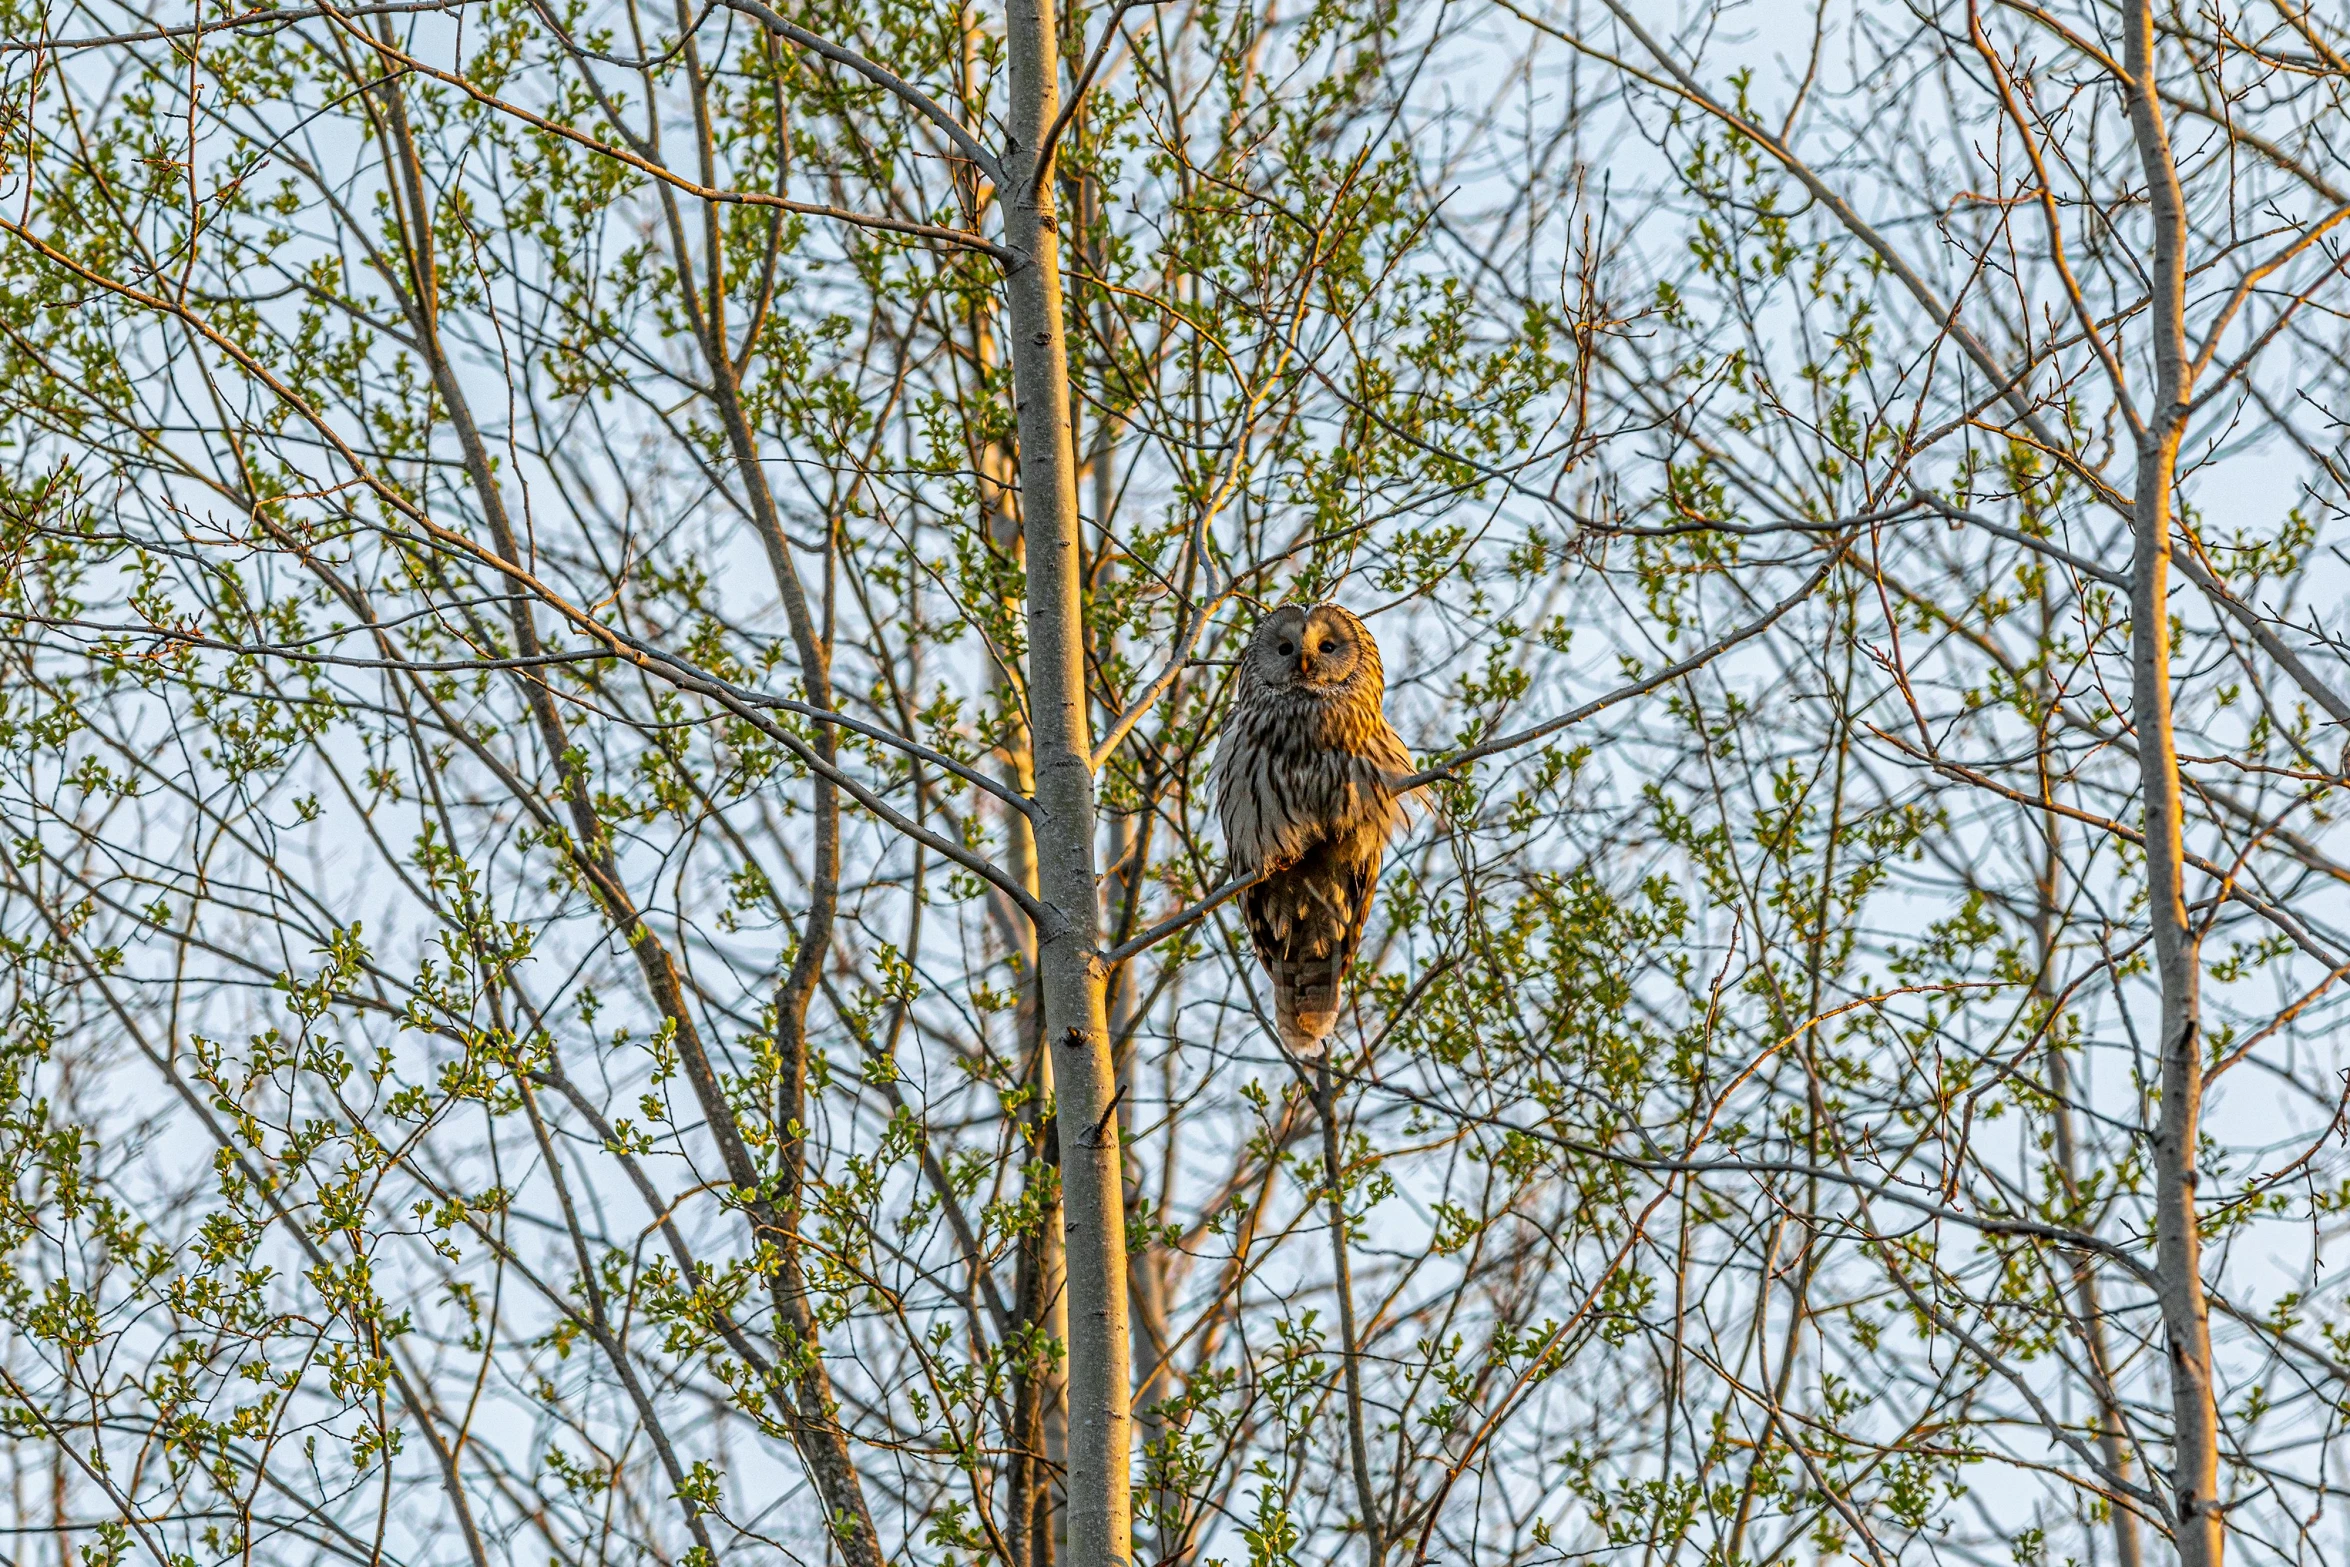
[1070, 973]
[2199, 1525]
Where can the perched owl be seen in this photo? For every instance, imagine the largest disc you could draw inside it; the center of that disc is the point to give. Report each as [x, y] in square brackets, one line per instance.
[1305, 788]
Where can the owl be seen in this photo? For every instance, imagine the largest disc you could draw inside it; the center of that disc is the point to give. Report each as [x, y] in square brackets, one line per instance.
[1305, 781]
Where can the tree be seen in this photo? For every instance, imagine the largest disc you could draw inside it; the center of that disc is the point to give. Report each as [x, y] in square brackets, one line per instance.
[615, 620]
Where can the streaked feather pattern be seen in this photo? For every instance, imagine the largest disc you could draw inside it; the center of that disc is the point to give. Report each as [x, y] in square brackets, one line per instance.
[1304, 777]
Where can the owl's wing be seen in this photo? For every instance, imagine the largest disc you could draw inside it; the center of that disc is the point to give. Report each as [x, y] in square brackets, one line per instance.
[1233, 820]
[1237, 778]
[1363, 882]
[1314, 911]
[1381, 762]
[1389, 754]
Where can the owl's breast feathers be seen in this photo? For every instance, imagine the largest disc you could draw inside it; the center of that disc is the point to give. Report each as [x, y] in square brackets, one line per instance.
[1293, 773]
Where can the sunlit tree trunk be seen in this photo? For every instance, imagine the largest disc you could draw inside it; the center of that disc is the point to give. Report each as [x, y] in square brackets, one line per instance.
[2178, 1242]
[1069, 968]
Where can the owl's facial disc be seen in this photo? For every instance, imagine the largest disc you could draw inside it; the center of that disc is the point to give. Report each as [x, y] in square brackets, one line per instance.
[1318, 651]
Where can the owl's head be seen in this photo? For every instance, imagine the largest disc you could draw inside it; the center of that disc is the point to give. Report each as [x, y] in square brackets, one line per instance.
[1317, 651]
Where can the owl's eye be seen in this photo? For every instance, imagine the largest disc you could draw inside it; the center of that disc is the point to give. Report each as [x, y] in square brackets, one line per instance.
[1288, 648]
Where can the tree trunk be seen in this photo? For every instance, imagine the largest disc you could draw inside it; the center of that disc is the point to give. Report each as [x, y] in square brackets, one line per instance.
[2178, 965]
[1069, 969]
[2113, 1432]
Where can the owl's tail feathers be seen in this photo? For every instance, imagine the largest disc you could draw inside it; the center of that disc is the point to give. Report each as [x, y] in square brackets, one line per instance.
[1305, 1001]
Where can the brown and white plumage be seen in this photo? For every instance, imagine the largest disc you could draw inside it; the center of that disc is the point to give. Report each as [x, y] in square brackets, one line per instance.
[1305, 788]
